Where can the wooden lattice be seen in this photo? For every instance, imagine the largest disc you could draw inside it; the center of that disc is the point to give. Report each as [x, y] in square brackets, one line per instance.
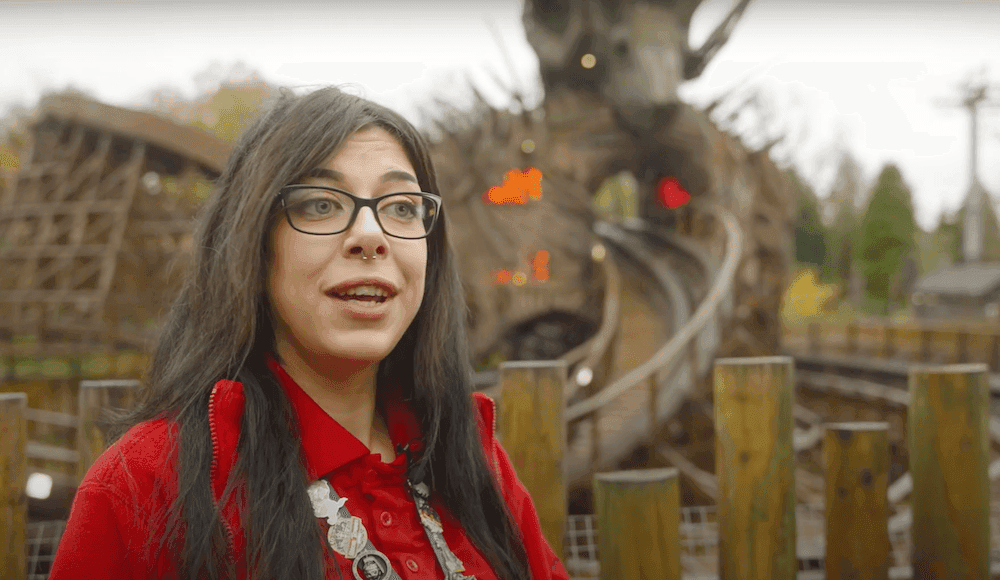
[93, 224]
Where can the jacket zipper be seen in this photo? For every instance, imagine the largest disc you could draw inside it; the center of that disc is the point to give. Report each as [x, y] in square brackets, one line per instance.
[215, 463]
[493, 435]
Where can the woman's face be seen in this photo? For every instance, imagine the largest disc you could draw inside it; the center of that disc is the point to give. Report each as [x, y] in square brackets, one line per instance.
[314, 320]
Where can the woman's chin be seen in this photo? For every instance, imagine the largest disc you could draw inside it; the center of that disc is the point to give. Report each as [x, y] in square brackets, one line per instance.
[360, 352]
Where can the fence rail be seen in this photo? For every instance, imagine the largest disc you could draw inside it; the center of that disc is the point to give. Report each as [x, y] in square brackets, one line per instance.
[933, 342]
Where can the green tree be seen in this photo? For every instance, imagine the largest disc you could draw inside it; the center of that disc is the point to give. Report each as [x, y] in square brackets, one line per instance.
[887, 237]
[943, 246]
[842, 213]
[810, 233]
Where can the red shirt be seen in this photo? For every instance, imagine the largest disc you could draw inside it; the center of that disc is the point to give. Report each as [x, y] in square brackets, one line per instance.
[114, 510]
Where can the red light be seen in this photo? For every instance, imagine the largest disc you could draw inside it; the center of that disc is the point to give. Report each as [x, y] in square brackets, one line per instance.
[671, 194]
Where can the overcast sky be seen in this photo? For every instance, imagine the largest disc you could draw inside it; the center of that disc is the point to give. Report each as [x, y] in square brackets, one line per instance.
[868, 71]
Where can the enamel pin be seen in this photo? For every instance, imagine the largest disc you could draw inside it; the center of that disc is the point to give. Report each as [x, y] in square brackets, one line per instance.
[323, 506]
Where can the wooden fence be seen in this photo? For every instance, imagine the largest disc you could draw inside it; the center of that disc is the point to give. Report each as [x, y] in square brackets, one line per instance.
[927, 342]
[66, 464]
[637, 511]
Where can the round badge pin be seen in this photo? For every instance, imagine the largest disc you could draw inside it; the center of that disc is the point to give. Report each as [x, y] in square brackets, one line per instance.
[348, 536]
[370, 565]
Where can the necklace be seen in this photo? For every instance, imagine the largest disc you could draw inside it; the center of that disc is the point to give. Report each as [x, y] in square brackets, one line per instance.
[349, 538]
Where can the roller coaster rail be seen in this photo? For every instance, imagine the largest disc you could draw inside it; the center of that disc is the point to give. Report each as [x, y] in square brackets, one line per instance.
[693, 340]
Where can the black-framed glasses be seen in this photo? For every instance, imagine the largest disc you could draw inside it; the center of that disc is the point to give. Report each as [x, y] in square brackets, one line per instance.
[321, 210]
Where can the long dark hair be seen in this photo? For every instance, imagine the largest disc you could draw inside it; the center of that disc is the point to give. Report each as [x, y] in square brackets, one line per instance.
[219, 327]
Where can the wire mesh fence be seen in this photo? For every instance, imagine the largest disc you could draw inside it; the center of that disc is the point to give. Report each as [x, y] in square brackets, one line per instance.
[41, 541]
[699, 538]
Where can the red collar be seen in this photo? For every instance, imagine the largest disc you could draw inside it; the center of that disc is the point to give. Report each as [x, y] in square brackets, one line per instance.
[326, 445]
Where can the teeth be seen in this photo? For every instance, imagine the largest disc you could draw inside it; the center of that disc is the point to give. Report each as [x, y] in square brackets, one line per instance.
[366, 291]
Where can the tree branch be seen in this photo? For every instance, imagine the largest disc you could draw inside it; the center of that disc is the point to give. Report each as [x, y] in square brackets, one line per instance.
[696, 61]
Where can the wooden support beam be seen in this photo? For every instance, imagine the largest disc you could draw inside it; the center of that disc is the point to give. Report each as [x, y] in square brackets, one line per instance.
[815, 336]
[949, 453]
[995, 352]
[857, 532]
[13, 478]
[638, 524]
[705, 481]
[532, 429]
[755, 464]
[926, 335]
[852, 338]
[889, 347]
[94, 398]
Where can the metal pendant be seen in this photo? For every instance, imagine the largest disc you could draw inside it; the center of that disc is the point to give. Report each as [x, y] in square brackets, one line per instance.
[371, 565]
[348, 537]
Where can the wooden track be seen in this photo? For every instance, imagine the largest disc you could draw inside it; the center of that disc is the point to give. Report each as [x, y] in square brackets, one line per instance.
[836, 379]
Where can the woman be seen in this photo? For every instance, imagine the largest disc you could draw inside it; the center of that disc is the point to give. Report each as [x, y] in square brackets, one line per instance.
[308, 412]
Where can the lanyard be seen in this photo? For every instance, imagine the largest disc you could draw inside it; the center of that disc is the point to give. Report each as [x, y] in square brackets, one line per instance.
[349, 538]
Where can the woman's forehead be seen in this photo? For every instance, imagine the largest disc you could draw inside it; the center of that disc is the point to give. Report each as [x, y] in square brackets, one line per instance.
[370, 150]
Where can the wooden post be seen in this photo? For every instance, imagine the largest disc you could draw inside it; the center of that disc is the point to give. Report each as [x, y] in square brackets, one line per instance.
[857, 477]
[755, 464]
[889, 347]
[995, 352]
[638, 524]
[814, 338]
[962, 349]
[852, 337]
[94, 398]
[925, 344]
[949, 453]
[13, 479]
[533, 432]
[692, 355]
[653, 396]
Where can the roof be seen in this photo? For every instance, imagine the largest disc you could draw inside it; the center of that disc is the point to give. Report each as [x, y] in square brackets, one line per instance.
[975, 279]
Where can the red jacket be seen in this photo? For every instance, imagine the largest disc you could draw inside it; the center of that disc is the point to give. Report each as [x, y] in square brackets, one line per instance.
[114, 511]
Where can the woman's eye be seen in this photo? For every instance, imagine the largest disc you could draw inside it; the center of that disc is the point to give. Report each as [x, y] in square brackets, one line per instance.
[320, 206]
[402, 209]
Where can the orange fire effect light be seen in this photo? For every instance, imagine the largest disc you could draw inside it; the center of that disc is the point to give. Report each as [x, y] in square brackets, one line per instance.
[539, 272]
[518, 187]
[502, 277]
[541, 266]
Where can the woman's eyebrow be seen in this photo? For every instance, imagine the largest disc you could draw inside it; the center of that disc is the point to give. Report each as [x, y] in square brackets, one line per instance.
[390, 176]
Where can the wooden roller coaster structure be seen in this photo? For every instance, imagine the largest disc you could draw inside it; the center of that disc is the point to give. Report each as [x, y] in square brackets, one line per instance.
[93, 225]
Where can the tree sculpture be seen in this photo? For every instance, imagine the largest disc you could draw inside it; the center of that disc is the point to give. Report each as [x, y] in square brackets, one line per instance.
[610, 71]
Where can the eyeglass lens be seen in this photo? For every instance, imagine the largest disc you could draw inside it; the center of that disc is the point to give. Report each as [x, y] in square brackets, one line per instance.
[321, 211]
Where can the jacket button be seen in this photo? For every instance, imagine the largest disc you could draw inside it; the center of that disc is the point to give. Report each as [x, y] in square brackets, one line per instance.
[386, 519]
[412, 566]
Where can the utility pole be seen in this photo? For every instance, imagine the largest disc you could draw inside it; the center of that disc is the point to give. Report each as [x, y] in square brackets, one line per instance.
[974, 97]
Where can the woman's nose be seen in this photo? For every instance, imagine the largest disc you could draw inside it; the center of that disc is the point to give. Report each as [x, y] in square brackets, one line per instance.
[366, 222]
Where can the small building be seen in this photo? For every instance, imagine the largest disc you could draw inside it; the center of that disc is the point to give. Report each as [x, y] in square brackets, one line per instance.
[970, 290]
